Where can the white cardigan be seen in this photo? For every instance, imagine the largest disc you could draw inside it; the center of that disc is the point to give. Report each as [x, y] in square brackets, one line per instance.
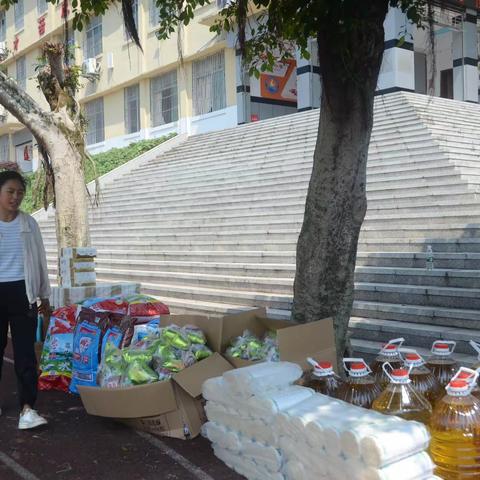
[35, 260]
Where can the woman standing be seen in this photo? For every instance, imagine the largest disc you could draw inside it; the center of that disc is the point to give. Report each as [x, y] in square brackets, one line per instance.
[23, 282]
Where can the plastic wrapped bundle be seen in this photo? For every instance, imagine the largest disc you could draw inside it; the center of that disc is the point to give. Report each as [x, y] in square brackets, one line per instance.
[294, 471]
[244, 466]
[351, 438]
[292, 422]
[216, 390]
[418, 466]
[271, 403]
[261, 377]
[300, 451]
[333, 427]
[267, 456]
[401, 440]
[219, 435]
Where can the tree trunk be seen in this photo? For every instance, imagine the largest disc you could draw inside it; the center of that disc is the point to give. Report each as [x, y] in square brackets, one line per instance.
[71, 203]
[336, 200]
[51, 131]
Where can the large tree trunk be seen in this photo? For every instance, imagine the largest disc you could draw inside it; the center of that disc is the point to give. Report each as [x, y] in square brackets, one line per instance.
[71, 203]
[336, 200]
[51, 130]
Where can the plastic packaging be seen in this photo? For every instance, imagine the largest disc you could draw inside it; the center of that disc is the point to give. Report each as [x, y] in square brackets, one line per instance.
[261, 377]
[441, 363]
[361, 388]
[221, 436]
[351, 438]
[415, 467]
[56, 360]
[216, 390]
[86, 345]
[271, 403]
[389, 353]
[322, 378]
[384, 446]
[264, 455]
[423, 380]
[455, 429]
[401, 399]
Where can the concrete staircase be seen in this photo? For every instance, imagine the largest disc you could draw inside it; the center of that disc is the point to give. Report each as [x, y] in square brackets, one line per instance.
[211, 225]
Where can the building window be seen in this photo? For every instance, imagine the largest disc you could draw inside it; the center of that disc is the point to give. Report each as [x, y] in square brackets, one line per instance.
[132, 109]
[95, 121]
[93, 46]
[154, 14]
[209, 84]
[3, 26]
[164, 99]
[21, 72]
[42, 7]
[4, 149]
[135, 19]
[18, 13]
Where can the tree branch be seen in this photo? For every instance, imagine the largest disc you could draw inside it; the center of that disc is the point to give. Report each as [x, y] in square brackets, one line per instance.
[23, 107]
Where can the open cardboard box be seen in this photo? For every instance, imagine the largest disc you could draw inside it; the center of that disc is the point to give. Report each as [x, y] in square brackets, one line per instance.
[296, 342]
[171, 408]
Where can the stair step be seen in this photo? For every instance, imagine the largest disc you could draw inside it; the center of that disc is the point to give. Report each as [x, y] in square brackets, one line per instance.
[415, 334]
[368, 350]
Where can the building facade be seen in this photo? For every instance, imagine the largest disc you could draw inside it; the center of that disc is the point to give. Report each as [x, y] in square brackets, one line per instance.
[134, 95]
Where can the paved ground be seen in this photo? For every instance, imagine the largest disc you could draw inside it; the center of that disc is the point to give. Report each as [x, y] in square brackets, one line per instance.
[76, 446]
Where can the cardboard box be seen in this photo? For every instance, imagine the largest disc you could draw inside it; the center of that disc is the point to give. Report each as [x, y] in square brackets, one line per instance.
[173, 408]
[78, 252]
[296, 342]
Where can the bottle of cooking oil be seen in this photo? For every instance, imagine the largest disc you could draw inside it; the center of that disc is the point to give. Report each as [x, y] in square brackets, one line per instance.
[423, 380]
[389, 353]
[360, 389]
[441, 363]
[455, 430]
[322, 378]
[401, 399]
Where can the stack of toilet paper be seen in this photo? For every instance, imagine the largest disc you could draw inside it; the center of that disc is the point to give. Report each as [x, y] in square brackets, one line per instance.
[241, 408]
[324, 438]
[264, 427]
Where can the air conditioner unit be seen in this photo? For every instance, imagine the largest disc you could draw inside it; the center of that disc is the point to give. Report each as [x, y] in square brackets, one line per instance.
[90, 65]
[110, 60]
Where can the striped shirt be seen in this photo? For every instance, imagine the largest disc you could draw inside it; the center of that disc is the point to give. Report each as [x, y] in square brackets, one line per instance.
[11, 251]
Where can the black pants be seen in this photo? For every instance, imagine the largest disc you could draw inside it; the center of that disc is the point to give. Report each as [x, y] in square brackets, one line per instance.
[16, 312]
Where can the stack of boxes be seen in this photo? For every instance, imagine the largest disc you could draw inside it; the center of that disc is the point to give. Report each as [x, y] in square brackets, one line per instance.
[77, 267]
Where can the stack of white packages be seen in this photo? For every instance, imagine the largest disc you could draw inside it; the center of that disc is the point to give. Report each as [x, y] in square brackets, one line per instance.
[323, 438]
[266, 428]
[241, 408]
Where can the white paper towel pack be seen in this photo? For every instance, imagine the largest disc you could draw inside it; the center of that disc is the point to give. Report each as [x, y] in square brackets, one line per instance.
[261, 377]
[272, 402]
[384, 446]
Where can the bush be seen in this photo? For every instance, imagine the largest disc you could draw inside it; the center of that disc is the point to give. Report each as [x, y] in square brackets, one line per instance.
[103, 163]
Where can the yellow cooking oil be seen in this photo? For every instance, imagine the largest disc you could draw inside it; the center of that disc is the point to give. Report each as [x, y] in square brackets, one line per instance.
[361, 388]
[401, 399]
[423, 380]
[441, 363]
[455, 430]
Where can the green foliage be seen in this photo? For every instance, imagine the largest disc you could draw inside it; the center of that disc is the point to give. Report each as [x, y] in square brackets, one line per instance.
[281, 24]
[102, 164]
